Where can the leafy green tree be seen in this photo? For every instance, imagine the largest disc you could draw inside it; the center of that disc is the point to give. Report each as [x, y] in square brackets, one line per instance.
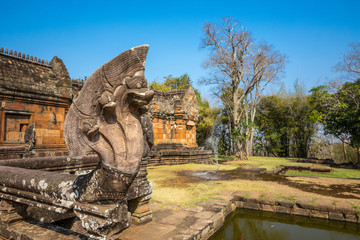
[207, 118]
[159, 86]
[172, 83]
[285, 124]
[339, 110]
[338, 105]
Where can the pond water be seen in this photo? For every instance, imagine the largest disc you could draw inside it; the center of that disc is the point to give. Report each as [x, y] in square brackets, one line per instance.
[253, 225]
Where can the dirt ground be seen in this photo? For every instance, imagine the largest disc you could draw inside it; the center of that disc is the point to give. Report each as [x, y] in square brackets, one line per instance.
[186, 185]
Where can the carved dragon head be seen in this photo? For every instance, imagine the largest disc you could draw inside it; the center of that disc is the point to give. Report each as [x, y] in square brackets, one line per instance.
[104, 117]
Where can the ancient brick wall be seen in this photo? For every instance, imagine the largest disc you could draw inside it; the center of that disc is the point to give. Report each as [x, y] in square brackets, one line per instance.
[33, 91]
[174, 116]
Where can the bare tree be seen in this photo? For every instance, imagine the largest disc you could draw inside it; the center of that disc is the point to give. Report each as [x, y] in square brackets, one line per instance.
[350, 62]
[244, 66]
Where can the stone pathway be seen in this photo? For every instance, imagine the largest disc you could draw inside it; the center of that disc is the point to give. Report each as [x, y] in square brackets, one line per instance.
[175, 223]
[205, 218]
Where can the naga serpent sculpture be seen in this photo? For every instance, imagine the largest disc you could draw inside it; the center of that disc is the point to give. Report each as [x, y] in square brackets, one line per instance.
[105, 118]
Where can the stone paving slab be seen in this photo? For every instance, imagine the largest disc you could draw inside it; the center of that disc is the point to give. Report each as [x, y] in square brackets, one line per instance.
[28, 230]
[195, 222]
[152, 230]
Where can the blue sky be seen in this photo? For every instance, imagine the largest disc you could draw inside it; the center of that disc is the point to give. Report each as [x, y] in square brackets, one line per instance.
[85, 34]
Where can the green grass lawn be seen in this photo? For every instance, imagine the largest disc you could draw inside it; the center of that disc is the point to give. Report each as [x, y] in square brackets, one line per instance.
[335, 172]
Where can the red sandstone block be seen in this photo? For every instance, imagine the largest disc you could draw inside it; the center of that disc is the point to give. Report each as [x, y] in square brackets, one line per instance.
[39, 139]
[14, 137]
[53, 133]
[49, 140]
[31, 107]
[60, 140]
[57, 126]
[60, 117]
[40, 132]
[180, 131]
[41, 117]
[39, 124]
[15, 105]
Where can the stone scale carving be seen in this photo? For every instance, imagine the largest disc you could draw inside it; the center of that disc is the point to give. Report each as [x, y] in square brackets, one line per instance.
[104, 118]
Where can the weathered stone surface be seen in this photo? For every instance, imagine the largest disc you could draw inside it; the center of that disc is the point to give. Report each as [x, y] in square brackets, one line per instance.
[251, 205]
[204, 214]
[32, 230]
[218, 220]
[170, 217]
[319, 214]
[59, 164]
[285, 203]
[56, 186]
[336, 216]
[267, 208]
[47, 216]
[300, 211]
[152, 230]
[203, 226]
[351, 218]
[193, 209]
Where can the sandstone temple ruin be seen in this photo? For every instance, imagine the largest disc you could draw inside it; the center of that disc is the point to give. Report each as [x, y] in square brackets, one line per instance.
[33, 91]
[174, 116]
[40, 92]
[73, 154]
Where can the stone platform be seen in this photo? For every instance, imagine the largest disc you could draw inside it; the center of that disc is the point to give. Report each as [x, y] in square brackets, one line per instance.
[171, 154]
[199, 221]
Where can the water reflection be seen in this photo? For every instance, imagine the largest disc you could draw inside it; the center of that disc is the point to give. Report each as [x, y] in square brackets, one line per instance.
[253, 225]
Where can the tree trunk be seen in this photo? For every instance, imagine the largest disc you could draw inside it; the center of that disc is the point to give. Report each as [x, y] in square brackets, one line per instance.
[241, 151]
[251, 141]
[358, 157]
[344, 151]
[230, 137]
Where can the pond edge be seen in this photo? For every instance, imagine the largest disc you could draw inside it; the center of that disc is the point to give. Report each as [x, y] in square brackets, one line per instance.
[209, 224]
